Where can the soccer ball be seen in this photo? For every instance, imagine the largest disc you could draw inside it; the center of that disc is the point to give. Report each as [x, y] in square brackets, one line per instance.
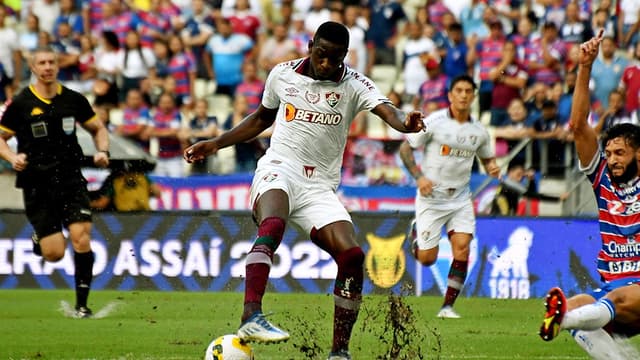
[228, 347]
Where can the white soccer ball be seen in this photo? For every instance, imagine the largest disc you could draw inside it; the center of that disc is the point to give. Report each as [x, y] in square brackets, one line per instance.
[228, 347]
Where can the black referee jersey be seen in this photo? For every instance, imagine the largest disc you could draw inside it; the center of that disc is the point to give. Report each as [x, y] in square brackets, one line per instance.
[46, 133]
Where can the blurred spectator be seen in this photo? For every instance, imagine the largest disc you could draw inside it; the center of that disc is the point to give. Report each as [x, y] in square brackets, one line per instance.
[416, 49]
[566, 98]
[509, 79]
[615, 113]
[432, 93]
[165, 126]
[630, 82]
[251, 87]
[153, 24]
[277, 48]
[157, 78]
[628, 23]
[554, 12]
[197, 30]
[118, 18]
[534, 99]
[546, 60]
[68, 49]
[10, 56]
[383, 31]
[455, 60]
[551, 133]
[437, 9]
[71, 15]
[201, 127]
[124, 190]
[224, 55]
[136, 63]
[86, 65]
[524, 36]
[299, 34]
[182, 69]
[512, 190]
[607, 71]
[244, 20]
[488, 53]
[518, 126]
[105, 88]
[136, 120]
[247, 153]
[574, 30]
[602, 20]
[472, 19]
[317, 14]
[28, 41]
[47, 12]
[357, 57]
[92, 15]
[6, 91]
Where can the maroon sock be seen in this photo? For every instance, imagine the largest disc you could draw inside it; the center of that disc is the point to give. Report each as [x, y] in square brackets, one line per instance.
[343, 321]
[455, 281]
[259, 259]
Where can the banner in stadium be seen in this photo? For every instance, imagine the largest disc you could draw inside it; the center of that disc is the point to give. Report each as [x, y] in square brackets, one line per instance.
[202, 251]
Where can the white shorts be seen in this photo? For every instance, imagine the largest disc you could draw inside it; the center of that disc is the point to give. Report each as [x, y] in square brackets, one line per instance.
[312, 203]
[457, 216]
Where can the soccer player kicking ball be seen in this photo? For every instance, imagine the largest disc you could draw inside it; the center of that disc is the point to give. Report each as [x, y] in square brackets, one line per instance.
[312, 102]
[43, 118]
[451, 142]
[613, 309]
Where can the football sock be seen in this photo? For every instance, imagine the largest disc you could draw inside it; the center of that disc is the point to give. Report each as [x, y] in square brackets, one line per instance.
[455, 281]
[347, 296]
[597, 343]
[260, 258]
[83, 276]
[590, 317]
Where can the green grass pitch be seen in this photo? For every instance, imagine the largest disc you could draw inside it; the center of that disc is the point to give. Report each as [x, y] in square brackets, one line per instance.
[179, 325]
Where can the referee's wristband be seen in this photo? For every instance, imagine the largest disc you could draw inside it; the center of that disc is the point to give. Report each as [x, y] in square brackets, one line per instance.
[106, 152]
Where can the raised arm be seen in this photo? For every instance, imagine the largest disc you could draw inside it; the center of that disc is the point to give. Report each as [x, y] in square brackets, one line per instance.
[250, 127]
[398, 119]
[584, 135]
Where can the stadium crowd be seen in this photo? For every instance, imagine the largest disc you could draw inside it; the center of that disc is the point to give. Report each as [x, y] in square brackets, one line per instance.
[167, 73]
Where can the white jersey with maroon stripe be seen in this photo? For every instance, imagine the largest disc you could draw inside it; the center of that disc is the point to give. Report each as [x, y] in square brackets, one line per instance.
[314, 116]
[450, 148]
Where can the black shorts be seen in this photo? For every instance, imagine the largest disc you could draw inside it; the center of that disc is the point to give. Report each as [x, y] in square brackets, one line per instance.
[48, 207]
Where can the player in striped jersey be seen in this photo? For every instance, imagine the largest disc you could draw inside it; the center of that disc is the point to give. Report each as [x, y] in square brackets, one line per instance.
[614, 309]
[312, 102]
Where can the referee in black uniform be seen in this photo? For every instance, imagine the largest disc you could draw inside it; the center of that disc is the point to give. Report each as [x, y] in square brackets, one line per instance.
[43, 118]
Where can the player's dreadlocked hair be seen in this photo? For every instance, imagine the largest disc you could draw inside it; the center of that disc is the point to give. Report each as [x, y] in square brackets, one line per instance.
[629, 132]
[333, 32]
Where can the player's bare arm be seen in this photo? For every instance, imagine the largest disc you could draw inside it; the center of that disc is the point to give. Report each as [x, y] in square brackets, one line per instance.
[253, 125]
[423, 183]
[398, 119]
[100, 136]
[18, 161]
[585, 137]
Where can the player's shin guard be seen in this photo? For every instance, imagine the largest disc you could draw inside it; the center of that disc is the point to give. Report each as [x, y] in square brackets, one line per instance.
[83, 276]
[347, 295]
[260, 257]
[455, 281]
[590, 317]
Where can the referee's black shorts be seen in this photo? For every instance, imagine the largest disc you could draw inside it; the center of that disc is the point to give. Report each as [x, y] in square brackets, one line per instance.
[49, 207]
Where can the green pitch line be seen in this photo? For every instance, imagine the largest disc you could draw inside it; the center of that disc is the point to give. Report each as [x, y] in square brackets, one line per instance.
[180, 325]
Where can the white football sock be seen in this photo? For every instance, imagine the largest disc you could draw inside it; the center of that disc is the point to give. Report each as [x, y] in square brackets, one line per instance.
[601, 346]
[589, 317]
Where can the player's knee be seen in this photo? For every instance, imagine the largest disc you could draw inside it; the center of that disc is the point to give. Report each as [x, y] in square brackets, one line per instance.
[53, 254]
[427, 257]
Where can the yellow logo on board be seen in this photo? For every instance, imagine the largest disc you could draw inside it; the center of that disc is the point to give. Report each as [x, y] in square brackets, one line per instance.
[385, 260]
